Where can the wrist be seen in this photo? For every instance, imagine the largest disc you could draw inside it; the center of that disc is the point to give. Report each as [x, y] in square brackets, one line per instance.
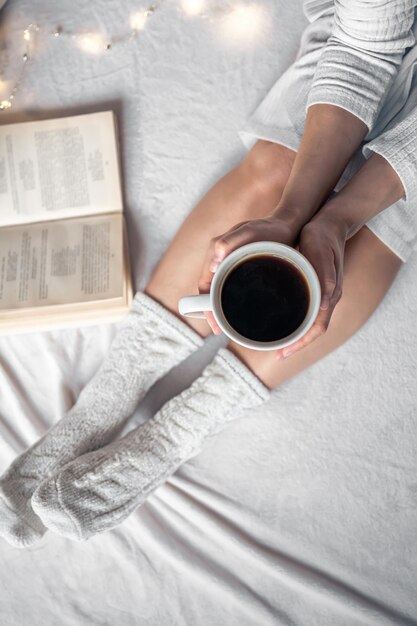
[336, 217]
[331, 135]
[294, 215]
[374, 187]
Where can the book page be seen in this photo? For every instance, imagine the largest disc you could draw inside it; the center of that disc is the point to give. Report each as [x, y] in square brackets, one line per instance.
[61, 262]
[54, 169]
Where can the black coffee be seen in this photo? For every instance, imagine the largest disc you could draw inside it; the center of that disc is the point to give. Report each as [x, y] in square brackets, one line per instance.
[265, 298]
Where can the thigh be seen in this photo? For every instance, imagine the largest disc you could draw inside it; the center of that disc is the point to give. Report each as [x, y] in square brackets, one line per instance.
[369, 270]
[251, 190]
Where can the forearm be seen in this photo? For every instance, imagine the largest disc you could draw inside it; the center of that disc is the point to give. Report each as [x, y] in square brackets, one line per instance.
[330, 138]
[375, 187]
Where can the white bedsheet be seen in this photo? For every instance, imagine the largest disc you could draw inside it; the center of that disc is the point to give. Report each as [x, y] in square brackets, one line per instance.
[304, 514]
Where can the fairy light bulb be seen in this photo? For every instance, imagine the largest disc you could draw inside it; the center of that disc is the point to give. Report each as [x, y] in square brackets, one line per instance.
[92, 43]
[193, 7]
[243, 21]
[137, 20]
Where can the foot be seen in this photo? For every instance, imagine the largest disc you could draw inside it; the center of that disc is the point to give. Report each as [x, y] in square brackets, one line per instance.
[100, 489]
[20, 526]
[150, 342]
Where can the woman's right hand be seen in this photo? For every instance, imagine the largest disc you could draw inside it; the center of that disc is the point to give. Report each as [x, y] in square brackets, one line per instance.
[274, 228]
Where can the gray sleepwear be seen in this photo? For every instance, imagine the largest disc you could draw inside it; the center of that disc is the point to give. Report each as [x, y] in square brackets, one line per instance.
[359, 55]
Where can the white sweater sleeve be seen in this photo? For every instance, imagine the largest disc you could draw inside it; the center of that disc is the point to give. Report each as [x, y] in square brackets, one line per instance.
[363, 54]
[398, 145]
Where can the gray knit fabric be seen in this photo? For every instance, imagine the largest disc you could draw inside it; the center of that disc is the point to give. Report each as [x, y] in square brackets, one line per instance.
[363, 53]
[359, 55]
[99, 490]
[150, 342]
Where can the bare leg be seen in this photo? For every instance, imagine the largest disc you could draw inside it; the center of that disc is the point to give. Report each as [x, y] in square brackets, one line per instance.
[370, 268]
[250, 191]
[99, 489]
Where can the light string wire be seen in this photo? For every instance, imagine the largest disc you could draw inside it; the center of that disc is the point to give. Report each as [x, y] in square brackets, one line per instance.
[88, 42]
[29, 35]
[96, 43]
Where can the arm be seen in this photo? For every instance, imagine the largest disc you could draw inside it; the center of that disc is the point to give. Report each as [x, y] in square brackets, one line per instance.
[331, 137]
[322, 240]
[334, 129]
[389, 174]
[363, 54]
[375, 187]
[356, 68]
[348, 57]
[369, 33]
[398, 145]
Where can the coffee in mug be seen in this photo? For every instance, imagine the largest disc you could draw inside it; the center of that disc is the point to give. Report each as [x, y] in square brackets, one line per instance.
[265, 298]
[264, 295]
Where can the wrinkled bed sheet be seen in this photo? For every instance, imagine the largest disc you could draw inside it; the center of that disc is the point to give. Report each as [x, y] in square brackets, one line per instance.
[303, 514]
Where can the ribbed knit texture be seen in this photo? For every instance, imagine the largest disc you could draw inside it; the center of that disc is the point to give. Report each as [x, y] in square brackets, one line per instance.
[351, 55]
[398, 146]
[99, 490]
[150, 342]
[362, 55]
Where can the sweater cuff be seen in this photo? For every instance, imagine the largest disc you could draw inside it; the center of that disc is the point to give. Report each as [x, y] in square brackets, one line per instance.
[344, 100]
[398, 146]
[352, 80]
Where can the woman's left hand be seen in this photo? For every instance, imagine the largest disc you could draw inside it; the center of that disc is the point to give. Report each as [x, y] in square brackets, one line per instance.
[322, 242]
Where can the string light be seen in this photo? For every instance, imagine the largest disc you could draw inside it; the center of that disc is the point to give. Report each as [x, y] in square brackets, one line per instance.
[244, 21]
[241, 21]
[193, 7]
[137, 20]
[28, 37]
[93, 43]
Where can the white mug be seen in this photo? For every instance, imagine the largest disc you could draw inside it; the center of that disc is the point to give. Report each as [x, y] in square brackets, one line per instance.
[195, 306]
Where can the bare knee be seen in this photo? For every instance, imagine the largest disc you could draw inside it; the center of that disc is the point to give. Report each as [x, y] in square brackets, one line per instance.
[268, 165]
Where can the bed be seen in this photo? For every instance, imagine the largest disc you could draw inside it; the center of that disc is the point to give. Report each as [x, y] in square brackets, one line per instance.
[303, 514]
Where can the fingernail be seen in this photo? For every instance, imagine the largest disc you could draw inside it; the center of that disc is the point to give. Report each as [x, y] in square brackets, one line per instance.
[287, 353]
[213, 266]
[324, 305]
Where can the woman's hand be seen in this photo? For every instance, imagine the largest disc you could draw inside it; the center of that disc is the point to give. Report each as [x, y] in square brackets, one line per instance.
[282, 228]
[321, 238]
[322, 242]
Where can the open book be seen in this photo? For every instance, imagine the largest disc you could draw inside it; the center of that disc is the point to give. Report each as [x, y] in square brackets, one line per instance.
[63, 252]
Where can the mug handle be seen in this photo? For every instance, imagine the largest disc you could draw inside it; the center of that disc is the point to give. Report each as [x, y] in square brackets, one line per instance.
[193, 306]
